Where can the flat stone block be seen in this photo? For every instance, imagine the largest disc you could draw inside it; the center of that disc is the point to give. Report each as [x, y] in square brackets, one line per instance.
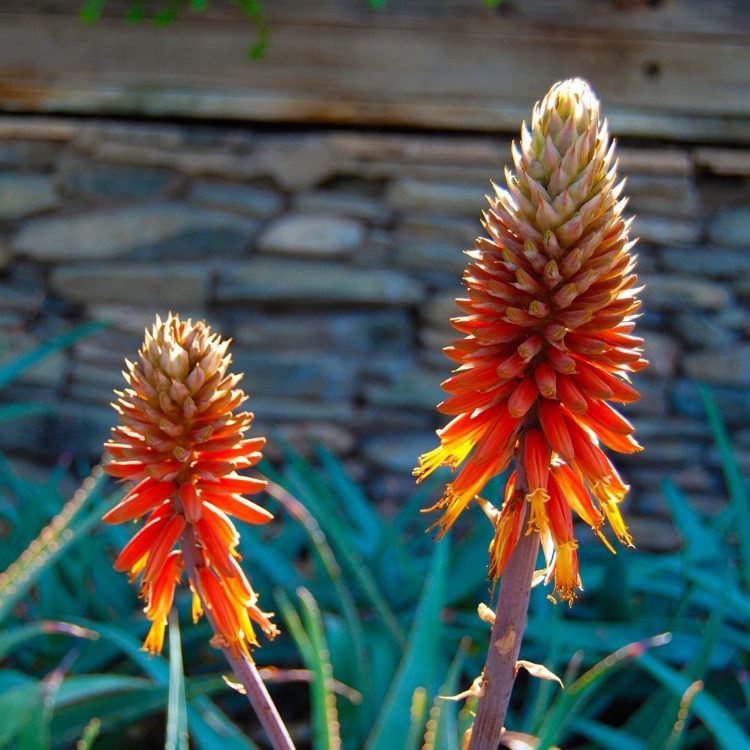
[298, 282]
[724, 366]
[408, 387]
[426, 197]
[375, 333]
[97, 180]
[707, 261]
[154, 286]
[226, 196]
[314, 236]
[107, 234]
[731, 227]
[733, 402]
[23, 195]
[316, 377]
[681, 293]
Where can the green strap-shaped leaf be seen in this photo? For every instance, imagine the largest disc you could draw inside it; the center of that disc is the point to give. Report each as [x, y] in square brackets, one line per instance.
[727, 733]
[735, 481]
[419, 661]
[325, 721]
[177, 720]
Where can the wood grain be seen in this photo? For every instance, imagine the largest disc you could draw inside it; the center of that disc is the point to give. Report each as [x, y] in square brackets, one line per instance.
[672, 70]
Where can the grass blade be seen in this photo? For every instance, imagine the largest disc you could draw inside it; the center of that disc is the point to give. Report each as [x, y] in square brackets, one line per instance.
[177, 723]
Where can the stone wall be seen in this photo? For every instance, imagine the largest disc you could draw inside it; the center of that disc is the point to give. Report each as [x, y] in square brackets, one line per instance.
[333, 258]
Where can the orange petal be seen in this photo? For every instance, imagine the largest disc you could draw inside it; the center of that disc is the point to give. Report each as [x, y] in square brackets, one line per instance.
[191, 503]
[125, 469]
[237, 506]
[546, 379]
[234, 484]
[575, 495]
[162, 547]
[140, 544]
[603, 414]
[558, 513]
[569, 395]
[523, 397]
[555, 428]
[140, 500]
[219, 538]
[536, 459]
[507, 534]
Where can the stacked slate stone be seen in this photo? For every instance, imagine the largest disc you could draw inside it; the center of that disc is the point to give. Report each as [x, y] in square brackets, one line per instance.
[333, 259]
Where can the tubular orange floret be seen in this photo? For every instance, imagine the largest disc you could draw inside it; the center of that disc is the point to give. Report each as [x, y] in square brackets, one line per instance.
[146, 496]
[547, 323]
[181, 440]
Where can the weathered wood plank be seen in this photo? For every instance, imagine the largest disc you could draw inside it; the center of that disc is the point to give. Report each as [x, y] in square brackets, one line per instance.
[472, 71]
[668, 18]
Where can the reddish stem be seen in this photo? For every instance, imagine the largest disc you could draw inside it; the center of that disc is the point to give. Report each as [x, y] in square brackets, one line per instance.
[244, 668]
[507, 631]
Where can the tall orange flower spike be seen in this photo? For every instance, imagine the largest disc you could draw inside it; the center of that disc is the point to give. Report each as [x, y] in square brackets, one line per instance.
[548, 322]
[180, 440]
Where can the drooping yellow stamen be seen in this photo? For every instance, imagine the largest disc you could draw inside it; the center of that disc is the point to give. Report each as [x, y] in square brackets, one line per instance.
[537, 512]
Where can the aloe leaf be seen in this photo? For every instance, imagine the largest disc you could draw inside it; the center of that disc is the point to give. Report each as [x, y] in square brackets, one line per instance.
[54, 539]
[24, 411]
[11, 370]
[90, 733]
[605, 737]
[177, 721]
[419, 660]
[356, 506]
[19, 704]
[330, 564]
[14, 637]
[727, 733]
[442, 730]
[702, 545]
[735, 481]
[417, 716]
[154, 667]
[570, 700]
[346, 551]
[664, 732]
[325, 719]
[211, 728]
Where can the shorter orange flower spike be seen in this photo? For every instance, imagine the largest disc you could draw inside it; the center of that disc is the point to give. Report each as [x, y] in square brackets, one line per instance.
[180, 439]
[547, 321]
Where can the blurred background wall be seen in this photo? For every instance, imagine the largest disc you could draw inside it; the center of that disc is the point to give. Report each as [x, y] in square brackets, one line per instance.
[314, 204]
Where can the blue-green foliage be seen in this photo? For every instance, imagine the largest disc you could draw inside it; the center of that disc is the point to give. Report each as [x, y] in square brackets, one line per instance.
[383, 619]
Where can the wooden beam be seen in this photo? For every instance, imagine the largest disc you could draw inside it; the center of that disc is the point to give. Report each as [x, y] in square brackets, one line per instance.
[453, 65]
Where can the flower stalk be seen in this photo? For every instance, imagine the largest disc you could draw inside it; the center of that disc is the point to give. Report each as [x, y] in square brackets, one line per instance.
[499, 673]
[243, 666]
[181, 439]
[548, 323]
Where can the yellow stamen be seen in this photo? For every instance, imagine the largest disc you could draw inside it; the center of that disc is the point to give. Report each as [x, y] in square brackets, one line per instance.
[537, 514]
